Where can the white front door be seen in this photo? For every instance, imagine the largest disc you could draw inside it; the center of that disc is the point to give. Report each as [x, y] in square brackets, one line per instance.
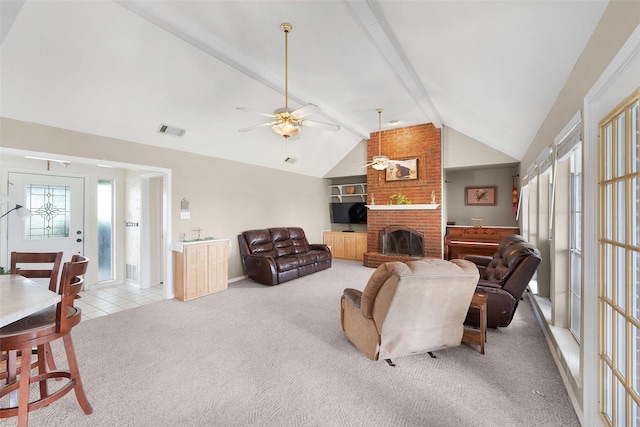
[57, 204]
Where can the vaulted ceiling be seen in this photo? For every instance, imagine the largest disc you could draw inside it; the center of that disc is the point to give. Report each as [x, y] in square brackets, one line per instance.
[488, 69]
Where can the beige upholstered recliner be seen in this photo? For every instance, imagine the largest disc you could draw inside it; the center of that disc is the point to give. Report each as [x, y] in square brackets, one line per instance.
[409, 308]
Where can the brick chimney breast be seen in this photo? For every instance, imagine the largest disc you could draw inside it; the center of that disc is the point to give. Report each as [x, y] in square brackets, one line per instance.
[422, 142]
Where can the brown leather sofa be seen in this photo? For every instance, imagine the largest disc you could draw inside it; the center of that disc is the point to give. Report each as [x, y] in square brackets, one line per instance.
[409, 308]
[504, 278]
[276, 255]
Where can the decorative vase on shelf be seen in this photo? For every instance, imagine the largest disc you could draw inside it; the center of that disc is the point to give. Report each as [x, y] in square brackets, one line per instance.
[350, 190]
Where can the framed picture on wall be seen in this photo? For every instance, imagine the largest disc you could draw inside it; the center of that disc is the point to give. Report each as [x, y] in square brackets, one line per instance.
[480, 196]
[402, 170]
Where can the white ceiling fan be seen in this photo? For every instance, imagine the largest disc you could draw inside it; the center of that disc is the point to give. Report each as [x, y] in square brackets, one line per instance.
[287, 120]
[380, 162]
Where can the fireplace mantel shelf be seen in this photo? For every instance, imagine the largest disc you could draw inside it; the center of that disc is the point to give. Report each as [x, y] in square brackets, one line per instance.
[402, 207]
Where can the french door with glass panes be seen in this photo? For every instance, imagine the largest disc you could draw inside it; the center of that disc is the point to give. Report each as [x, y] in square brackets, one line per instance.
[619, 266]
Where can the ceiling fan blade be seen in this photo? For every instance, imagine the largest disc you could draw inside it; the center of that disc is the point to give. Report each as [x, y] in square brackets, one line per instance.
[320, 125]
[305, 110]
[257, 126]
[255, 112]
[388, 163]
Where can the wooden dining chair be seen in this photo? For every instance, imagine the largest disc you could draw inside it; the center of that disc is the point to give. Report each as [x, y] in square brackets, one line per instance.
[29, 264]
[37, 330]
[36, 265]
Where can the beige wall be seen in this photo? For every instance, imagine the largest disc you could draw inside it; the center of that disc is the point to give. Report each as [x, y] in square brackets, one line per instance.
[616, 25]
[462, 151]
[225, 197]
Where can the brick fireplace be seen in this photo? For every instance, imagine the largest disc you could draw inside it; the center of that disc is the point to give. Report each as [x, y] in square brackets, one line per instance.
[424, 143]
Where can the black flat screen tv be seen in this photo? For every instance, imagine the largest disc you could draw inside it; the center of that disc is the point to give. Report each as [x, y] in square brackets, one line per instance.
[349, 213]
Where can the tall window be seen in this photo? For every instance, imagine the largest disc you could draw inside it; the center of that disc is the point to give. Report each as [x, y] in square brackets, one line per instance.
[105, 230]
[543, 242]
[575, 241]
[524, 210]
[619, 261]
[532, 224]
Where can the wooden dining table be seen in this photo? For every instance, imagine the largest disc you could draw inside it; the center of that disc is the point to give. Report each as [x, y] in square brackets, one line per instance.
[20, 297]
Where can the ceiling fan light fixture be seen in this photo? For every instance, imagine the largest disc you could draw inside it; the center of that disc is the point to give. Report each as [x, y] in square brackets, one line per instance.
[380, 162]
[288, 121]
[286, 129]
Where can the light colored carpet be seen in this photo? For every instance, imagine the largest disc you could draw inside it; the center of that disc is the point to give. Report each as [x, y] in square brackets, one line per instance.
[276, 356]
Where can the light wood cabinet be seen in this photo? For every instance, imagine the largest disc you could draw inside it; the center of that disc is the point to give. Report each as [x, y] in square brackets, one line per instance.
[200, 268]
[351, 246]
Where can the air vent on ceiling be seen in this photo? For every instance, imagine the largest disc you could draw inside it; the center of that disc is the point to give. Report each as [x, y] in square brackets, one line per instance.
[171, 130]
[291, 160]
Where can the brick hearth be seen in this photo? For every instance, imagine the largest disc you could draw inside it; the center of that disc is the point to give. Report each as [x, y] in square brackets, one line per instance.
[424, 143]
[374, 259]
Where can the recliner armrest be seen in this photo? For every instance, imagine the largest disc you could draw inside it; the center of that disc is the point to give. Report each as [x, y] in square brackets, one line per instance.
[354, 296]
[261, 255]
[479, 260]
[488, 284]
[319, 246]
[261, 267]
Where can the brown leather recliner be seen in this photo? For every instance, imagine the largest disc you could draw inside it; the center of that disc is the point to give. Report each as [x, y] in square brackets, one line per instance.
[409, 308]
[504, 278]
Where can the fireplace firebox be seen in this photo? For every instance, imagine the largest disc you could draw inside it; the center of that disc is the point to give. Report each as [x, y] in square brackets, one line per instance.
[400, 240]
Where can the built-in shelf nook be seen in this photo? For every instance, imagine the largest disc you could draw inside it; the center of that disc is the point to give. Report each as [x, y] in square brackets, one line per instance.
[357, 190]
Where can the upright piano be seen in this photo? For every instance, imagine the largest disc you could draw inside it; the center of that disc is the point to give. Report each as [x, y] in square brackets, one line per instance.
[461, 240]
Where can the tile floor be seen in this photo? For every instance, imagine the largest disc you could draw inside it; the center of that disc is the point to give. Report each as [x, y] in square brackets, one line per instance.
[108, 300]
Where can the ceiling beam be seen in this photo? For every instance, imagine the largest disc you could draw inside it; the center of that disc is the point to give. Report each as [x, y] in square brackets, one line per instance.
[155, 13]
[371, 18]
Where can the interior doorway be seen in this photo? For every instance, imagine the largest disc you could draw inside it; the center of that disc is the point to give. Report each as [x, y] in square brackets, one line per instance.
[154, 220]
